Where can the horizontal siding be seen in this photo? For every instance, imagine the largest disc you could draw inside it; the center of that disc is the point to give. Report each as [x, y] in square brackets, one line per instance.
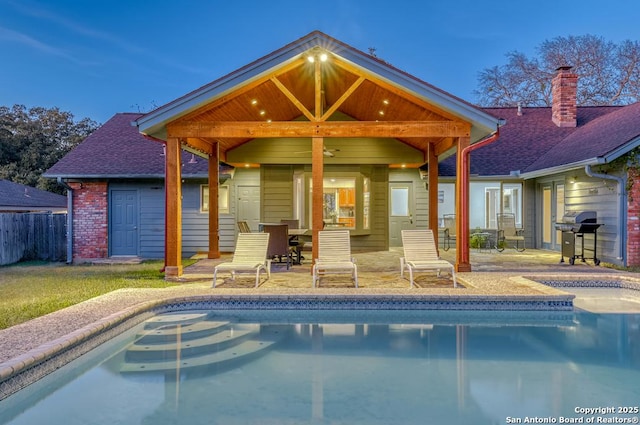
[594, 195]
[277, 192]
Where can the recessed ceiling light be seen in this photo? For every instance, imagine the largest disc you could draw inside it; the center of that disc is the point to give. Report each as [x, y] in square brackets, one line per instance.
[323, 57]
[262, 112]
[386, 102]
[254, 101]
[311, 59]
[381, 112]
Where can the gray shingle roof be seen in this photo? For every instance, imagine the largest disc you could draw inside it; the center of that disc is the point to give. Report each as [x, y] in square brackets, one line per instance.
[531, 142]
[117, 149]
[18, 197]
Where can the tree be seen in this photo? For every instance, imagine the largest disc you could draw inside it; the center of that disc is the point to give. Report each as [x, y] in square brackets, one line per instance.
[33, 140]
[609, 73]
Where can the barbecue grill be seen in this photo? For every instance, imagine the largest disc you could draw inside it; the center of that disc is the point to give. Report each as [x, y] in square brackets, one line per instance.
[574, 225]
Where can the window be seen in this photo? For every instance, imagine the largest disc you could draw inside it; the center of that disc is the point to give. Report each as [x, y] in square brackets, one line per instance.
[339, 202]
[223, 199]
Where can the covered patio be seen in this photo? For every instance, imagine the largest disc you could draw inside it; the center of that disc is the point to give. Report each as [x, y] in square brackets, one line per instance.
[286, 106]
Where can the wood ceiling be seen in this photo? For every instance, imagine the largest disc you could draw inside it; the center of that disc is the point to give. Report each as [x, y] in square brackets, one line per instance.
[282, 103]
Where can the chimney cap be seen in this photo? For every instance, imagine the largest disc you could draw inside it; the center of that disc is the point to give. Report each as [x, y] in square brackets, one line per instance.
[564, 68]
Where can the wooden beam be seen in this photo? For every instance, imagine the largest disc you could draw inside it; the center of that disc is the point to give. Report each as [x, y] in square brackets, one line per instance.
[432, 191]
[395, 90]
[173, 210]
[214, 224]
[293, 99]
[262, 129]
[317, 197]
[318, 89]
[463, 263]
[342, 99]
[242, 90]
[201, 145]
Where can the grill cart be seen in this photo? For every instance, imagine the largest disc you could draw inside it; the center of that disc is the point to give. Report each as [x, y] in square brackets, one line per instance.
[574, 226]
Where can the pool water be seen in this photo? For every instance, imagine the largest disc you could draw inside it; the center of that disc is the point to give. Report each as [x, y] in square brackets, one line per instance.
[324, 367]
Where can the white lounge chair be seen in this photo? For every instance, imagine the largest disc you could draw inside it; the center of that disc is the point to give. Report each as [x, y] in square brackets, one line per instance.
[334, 255]
[250, 256]
[420, 254]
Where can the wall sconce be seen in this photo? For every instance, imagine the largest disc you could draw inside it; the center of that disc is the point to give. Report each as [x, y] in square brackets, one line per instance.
[573, 179]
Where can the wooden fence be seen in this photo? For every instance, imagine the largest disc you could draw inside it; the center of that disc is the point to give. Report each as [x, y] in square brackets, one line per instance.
[31, 236]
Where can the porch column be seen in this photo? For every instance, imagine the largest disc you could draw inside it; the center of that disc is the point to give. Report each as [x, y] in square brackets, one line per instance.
[173, 210]
[432, 190]
[214, 224]
[462, 207]
[317, 177]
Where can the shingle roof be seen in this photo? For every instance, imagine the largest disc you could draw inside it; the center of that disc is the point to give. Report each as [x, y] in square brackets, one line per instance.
[18, 197]
[599, 137]
[531, 141]
[117, 149]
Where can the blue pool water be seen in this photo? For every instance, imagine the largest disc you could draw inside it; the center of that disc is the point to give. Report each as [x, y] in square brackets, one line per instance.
[369, 367]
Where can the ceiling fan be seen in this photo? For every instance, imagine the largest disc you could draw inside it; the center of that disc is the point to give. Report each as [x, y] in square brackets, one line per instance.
[325, 152]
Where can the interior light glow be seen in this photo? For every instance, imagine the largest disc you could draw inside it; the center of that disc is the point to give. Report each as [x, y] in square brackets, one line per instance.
[262, 112]
[311, 59]
[386, 102]
[254, 101]
[323, 57]
[381, 112]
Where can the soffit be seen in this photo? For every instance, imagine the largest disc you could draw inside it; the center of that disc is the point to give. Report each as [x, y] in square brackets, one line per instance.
[283, 94]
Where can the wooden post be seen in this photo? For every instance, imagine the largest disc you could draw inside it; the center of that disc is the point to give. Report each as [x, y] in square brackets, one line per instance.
[173, 212]
[432, 182]
[462, 208]
[214, 224]
[317, 178]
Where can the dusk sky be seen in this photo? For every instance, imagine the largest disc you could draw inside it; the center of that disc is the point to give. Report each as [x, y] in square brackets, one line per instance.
[97, 58]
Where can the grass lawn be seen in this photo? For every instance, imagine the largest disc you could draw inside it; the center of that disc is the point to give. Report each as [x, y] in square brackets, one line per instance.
[29, 290]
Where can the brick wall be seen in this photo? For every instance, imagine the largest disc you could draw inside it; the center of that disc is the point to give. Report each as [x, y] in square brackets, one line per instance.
[90, 226]
[633, 221]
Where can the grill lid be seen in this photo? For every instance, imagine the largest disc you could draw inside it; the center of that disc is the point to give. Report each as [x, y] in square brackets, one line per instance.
[578, 217]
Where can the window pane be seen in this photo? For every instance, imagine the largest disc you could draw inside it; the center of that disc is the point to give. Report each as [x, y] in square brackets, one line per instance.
[339, 202]
[400, 201]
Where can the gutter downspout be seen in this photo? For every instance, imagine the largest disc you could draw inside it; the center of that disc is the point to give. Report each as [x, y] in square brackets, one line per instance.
[464, 262]
[622, 217]
[69, 219]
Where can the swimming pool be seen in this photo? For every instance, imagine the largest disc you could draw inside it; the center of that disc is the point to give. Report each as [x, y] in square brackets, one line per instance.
[367, 367]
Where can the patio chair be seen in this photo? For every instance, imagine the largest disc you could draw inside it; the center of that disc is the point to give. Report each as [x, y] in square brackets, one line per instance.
[243, 227]
[449, 231]
[420, 254]
[279, 248]
[250, 256]
[507, 232]
[294, 242]
[334, 255]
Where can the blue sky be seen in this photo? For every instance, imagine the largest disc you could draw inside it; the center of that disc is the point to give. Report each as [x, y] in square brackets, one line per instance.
[96, 58]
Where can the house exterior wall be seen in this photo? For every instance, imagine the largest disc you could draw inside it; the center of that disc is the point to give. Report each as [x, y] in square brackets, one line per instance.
[90, 225]
[584, 193]
[633, 221]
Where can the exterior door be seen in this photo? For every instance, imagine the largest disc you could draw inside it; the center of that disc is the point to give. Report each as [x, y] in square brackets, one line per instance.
[401, 210]
[552, 202]
[124, 222]
[249, 206]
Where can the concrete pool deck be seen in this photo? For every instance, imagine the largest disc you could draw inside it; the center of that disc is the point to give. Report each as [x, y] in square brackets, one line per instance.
[504, 278]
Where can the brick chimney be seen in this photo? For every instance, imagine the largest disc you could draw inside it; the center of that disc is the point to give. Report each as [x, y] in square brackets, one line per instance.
[564, 88]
